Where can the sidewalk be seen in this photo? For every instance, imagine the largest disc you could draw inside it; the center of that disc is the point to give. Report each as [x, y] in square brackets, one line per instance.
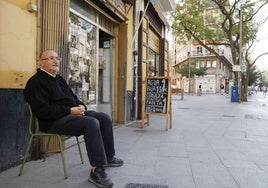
[213, 144]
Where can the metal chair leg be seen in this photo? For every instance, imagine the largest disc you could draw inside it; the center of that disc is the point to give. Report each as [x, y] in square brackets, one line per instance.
[47, 147]
[26, 155]
[62, 157]
[46, 151]
[79, 148]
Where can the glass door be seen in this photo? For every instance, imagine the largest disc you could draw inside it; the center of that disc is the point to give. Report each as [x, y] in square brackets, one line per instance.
[106, 73]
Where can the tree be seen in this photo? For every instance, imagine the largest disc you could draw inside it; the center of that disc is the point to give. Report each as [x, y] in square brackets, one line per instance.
[254, 76]
[222, 28]
[262, 80]
[191, 71]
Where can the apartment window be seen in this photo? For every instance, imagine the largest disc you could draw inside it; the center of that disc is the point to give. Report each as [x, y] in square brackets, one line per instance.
[197, 65]
[207, 52]
[199, 50]
[208, 64]
[214, 64]
[202, 64]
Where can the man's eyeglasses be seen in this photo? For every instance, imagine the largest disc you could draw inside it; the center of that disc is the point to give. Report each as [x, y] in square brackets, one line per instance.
[51, 58]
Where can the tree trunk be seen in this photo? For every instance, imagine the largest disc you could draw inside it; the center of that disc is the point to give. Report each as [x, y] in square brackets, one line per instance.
[244, 85]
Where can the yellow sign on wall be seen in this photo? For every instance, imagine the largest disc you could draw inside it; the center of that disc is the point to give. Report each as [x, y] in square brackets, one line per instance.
[14, 79]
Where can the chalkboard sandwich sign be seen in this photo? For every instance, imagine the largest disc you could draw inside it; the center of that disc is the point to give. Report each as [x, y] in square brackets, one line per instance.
[157, 98]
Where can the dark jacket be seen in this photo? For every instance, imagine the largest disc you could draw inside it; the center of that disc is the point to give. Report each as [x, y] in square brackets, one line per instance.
[50, 98]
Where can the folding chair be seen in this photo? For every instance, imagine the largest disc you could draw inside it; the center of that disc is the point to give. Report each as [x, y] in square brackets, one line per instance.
[49, 135]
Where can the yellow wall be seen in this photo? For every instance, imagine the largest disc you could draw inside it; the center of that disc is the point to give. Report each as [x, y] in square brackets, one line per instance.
[130, 60]
[18, 35]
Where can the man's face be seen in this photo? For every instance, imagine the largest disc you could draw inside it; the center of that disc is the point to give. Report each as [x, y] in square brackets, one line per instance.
[50, 61]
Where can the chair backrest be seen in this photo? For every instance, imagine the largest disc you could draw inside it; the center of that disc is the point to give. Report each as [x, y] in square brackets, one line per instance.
[30, 120]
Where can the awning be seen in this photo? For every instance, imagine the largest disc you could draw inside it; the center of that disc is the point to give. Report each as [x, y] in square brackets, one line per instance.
[117, 7]
[161, 15]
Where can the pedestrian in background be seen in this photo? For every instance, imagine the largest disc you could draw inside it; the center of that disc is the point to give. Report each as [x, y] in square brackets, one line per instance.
[222, 89]
[59, 111]
[199, 92]
[264, 91]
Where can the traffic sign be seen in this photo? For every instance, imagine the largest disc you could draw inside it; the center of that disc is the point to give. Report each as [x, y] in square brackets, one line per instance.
[239, 68]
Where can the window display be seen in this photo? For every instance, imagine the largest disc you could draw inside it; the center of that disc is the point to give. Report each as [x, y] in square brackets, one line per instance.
[82, 64]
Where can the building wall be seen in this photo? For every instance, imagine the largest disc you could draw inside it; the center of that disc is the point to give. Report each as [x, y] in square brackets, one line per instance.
[207, 82]
[18, 43]
[190, 51]
[151, 49]
[22, 37]
[130, 56]
[18, 62]
[130, 67]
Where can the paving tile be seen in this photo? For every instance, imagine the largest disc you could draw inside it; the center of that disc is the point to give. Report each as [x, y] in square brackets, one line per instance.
[213, 144]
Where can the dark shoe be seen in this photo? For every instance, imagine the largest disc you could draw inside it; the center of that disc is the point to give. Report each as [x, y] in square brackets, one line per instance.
[99, 178]
[114, 162]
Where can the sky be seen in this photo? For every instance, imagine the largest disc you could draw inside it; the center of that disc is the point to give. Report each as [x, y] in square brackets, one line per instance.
[262, 46]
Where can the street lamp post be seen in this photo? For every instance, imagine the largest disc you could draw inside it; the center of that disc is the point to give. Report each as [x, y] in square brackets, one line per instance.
[189, 71]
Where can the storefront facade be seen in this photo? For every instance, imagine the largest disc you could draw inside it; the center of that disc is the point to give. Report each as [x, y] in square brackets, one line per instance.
[152, 48]
[95, 40]
[89, 48]
[85, 35]
[92, 56]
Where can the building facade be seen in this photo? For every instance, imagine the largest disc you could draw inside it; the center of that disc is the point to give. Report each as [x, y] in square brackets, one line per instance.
[106, 49]
[194, 54]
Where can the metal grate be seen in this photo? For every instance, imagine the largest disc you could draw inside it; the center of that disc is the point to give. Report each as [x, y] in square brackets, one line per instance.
[139, 185]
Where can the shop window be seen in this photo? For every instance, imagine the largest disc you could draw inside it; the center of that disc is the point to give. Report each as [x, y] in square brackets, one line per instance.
[153, 64]
[145, 37]
[145, 23]
[82, 63]
[153, 54]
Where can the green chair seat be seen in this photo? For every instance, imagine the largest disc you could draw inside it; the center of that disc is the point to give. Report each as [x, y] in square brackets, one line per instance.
[49, 135]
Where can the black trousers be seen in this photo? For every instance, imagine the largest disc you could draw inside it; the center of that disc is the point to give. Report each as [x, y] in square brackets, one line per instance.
[97, 130]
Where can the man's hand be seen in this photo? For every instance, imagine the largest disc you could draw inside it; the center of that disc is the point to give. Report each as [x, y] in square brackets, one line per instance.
[78, 111]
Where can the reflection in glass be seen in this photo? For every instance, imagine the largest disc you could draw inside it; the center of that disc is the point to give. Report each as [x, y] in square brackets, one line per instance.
[153, 63]
[82, 77]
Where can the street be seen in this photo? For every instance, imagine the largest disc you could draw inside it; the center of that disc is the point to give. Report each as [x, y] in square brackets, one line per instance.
[213, 143]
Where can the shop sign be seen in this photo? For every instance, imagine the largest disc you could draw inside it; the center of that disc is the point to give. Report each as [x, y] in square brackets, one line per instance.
[239, 68]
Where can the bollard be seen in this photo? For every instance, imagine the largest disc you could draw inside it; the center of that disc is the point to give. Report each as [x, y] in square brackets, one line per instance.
[182, 94]
[199, 92]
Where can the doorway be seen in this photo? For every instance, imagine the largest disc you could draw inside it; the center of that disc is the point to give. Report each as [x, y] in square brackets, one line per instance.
[106, 73]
